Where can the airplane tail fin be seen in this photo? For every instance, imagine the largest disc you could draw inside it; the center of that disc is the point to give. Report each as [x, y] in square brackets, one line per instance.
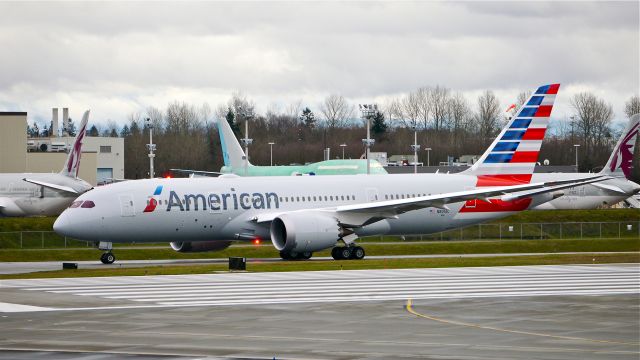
[72, 165]
[512, 156]
[621, 161]
[232, 152]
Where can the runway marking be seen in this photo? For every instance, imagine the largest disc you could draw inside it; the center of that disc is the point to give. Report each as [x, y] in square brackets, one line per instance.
[8, 308]
[334, 286]
[409, 308]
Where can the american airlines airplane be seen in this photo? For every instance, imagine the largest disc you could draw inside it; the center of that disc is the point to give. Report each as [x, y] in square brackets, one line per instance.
[606, 193]
[235, 162]
[45, 194]
[303, 214]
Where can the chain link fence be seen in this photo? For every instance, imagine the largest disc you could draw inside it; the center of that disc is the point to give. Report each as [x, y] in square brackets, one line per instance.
[507, 231]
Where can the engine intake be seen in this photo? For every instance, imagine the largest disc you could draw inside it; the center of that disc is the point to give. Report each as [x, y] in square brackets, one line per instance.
[302, 232]
[200, 246]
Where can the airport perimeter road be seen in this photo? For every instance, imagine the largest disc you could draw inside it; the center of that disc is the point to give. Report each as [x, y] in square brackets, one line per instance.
[35, 266]
[523, 312]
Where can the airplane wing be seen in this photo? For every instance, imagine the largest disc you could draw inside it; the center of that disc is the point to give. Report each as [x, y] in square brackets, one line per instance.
[611, 188]
[52, 186]
[363, 214]
[197, 172]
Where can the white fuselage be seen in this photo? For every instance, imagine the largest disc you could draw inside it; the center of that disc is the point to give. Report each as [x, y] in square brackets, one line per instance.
[585, 197]
[201, 209]
[21, 198]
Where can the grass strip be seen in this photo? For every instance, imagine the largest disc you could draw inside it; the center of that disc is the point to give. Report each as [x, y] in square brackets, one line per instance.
[552, 259]
[407, 248]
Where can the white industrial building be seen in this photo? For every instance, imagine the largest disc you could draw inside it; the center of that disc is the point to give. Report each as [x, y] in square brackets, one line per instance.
[102, 157]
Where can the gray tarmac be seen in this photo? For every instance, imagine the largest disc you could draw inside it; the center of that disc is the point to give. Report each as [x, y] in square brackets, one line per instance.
[528, 312]
[35, 266]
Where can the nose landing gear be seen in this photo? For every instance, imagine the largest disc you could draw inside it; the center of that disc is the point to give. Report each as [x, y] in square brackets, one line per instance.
[107, 257]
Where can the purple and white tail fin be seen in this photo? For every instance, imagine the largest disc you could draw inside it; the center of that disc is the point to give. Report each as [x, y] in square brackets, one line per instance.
[512, 156]
[621, 161]
[72, 165]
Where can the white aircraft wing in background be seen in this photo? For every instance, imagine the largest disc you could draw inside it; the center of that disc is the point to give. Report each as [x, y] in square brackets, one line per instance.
[52, 186]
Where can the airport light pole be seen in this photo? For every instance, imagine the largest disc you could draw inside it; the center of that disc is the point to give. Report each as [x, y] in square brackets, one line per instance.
[428, 151]
[576, 146]
[343, 146]
[152, 147]
[368, 111]
[271, 153]
[415, 147]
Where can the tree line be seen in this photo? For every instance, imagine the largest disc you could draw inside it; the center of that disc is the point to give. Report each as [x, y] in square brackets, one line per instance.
[445, 121]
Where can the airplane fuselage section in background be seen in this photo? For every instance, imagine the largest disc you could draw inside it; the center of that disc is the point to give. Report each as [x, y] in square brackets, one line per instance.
[202, 209]
[21, 198]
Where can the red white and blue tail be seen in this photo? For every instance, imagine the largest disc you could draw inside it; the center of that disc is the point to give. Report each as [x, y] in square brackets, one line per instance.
[72, 165]
[512, 156]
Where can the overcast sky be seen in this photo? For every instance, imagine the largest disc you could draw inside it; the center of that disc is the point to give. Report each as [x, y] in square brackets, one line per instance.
[120, 58]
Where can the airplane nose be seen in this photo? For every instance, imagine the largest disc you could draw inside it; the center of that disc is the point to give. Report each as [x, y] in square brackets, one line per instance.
[61, 225]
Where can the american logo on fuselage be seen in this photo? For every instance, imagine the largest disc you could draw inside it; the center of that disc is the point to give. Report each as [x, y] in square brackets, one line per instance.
[222, 201]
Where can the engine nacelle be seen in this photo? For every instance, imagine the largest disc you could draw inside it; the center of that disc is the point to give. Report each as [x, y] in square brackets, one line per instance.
[9, 208]
[200, 246]
[302, 232]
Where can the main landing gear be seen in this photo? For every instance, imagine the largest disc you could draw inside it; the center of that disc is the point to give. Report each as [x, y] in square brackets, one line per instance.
[347, 252]
[107, 257]
[286, 255]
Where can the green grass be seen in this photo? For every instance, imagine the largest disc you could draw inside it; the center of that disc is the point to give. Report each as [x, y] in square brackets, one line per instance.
[404, 248]
[556, 216]
[343, 265]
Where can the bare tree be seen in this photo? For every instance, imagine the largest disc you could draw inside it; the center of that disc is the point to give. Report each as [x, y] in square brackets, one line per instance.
[411, 109]
[522, 98]
[488, 116]
[336, 110]
[592, 121]
[422, 98]
[393, 108]
[439, 98]
[632, 106]
[459, 114]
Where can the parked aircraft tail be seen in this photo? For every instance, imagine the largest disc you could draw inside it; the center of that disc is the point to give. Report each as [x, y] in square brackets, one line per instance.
[512, 156]
[72, 165]
[621, 161]
[232, 152]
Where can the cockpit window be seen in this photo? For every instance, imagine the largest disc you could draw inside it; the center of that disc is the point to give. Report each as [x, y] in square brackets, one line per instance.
[75, 204]
[88, 204]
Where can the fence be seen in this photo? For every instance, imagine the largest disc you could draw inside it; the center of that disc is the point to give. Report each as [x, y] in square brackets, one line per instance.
[530, 231]
[507, 231]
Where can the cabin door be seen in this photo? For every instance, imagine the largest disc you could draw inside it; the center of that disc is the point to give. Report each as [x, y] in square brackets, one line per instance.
[126, 205]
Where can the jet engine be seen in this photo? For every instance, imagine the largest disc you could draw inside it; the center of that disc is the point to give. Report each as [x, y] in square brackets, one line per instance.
[304, 232]
[200, 246]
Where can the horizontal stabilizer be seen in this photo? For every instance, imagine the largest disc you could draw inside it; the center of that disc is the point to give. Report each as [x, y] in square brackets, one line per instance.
[611, 188]
[52, 186]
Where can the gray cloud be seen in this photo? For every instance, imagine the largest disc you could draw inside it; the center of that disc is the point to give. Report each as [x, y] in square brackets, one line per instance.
[122, 57]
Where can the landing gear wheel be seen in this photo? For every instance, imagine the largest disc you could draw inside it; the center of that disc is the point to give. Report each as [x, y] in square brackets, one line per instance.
[357, 253]
[108, 258]
[345, 253]
[305, 255]
[285, 255]
[334, 253]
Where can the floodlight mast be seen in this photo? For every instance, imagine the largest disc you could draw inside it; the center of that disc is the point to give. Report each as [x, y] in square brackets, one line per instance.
[368, 112]
[152, 147]
[415, 148]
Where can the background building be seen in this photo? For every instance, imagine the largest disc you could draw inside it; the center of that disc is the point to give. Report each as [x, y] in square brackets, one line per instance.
[102, 157]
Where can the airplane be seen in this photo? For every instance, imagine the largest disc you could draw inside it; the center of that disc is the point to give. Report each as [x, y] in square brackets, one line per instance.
[304, 214]
[606, 193]
[235, 162]
[45, 194]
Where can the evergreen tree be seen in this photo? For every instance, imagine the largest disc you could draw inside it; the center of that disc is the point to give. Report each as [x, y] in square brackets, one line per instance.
[125, 131]
[45, 132]
[71, 128]
[231, 119]
[36, 130]
[379, 126]
[308, 118]
[93, 131]
[134, 129]
[113, 133]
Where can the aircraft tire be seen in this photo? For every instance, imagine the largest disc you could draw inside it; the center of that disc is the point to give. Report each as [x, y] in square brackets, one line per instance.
[107, 258]
[305, 255]
[285, 255]
[345, 253]
[357, 253]
[334, 253]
